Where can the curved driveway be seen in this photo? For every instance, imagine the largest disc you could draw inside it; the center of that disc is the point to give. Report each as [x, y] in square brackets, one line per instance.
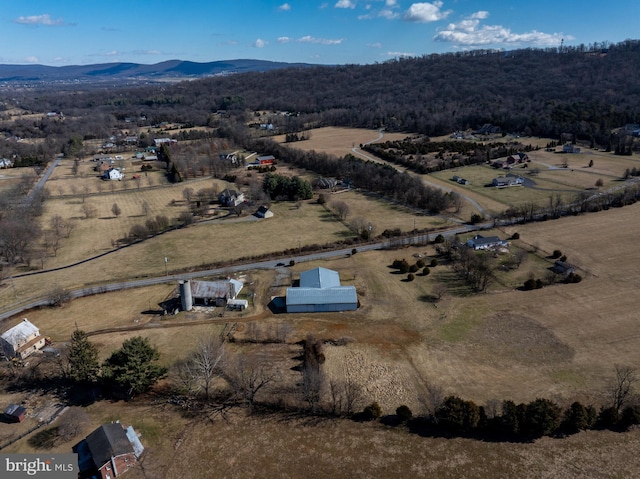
[357, 151]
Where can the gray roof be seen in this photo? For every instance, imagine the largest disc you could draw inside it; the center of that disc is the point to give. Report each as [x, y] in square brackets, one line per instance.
[20, 332]
[336, 295]
[109, 440]
[319, 278]
[481, 240]
[228, 288]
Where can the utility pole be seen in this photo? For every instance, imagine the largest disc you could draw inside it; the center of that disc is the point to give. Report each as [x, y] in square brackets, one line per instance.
[166, 271]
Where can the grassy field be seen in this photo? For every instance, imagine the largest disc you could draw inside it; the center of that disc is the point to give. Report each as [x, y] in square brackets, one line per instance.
[559, 342]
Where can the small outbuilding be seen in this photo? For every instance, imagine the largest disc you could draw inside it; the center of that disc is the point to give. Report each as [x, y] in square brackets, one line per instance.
[15, 413]
[264, 212]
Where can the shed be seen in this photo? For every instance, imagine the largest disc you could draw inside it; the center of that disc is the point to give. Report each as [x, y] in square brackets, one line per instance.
[15, 413]
[264, 212]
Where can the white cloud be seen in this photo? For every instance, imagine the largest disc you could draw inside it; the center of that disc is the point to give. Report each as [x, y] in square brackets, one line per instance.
[284, 7]
[400, 54]
[321, 41]
[390, 3]
[260, 43]
[283, 40]
[31, 59]
[345, 4]
[44, 19]
[426, 12]
[388, 14]
[469, 32]
[375, 45]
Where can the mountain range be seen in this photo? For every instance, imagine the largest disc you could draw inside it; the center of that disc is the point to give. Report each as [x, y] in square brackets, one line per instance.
[168, 70]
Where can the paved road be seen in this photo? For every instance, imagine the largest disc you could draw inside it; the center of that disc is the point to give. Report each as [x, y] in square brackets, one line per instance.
[119, 286]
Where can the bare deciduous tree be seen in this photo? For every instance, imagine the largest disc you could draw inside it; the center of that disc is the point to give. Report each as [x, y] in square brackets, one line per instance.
[247, 376]
[622, 387]
[202, 366]
[145, 208]
[341, 209]
[89, 210]
[115, 209]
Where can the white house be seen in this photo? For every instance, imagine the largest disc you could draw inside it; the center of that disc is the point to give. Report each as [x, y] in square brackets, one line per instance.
[21, 340]
[113, 174]
[480, 242]
[5, 163]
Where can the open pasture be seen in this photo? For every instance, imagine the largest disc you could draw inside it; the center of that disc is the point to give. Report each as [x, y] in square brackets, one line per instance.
[339, 141]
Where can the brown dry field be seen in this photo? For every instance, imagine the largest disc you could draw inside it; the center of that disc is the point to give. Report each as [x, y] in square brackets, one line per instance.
[560, 342]
[240, 446]
[339, 141]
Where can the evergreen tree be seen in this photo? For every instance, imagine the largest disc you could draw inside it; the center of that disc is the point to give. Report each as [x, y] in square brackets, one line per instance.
[82, 357]
[133, 367]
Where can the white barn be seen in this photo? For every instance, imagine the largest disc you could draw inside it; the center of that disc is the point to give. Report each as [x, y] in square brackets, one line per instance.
[320, 291]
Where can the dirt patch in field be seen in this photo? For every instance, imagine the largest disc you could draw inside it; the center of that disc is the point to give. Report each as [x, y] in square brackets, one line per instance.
[521, 339]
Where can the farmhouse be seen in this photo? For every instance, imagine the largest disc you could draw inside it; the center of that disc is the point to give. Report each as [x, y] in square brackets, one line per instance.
[208, 293]
[320, 291]
[5, 163]
[480, 242]
[113, 174]
[569, 148]
[109, 451]
[230, 197]
[21, 340]
[162, 141]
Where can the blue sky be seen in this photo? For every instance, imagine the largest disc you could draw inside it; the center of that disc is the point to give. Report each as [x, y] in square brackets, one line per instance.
[73, 32]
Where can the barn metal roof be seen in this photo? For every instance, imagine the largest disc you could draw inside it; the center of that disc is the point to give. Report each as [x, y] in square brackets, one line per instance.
[20, 332]
[336, 295]
[319, 278]
[216, 289]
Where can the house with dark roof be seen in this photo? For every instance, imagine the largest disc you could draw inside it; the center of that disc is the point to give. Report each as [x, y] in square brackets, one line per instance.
[479, 242]
[320, 291]
[109, 451]
[230, 197]
[14, 413]
[264, 212]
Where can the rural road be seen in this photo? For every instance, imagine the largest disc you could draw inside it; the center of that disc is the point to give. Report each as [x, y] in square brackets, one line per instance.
[119, 286]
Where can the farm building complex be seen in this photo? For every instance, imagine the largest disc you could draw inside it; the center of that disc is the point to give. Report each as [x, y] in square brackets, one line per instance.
[211, 293]
[320, 291]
